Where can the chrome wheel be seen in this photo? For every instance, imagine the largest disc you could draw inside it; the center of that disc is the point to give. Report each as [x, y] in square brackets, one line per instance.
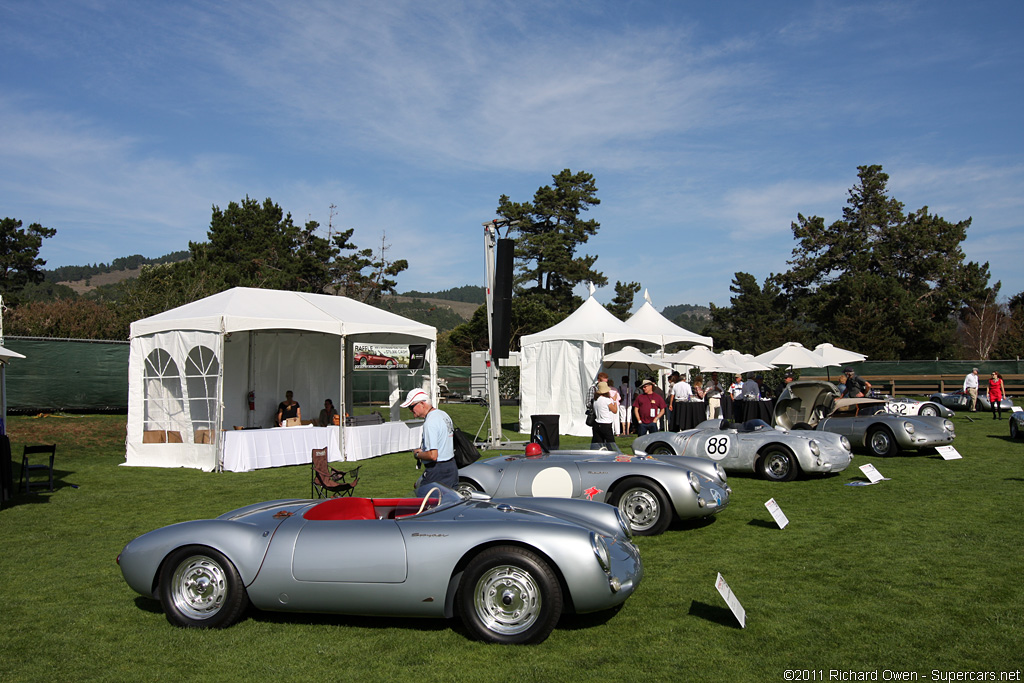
[881, 443]
[198, 587]
[466, 488]
[507, 600]
[644, 505]
[777, 464]
[509, 595]
[929, 411]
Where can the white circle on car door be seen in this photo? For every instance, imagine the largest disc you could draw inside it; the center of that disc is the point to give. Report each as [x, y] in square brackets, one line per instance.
[553, 482]
[717, 447]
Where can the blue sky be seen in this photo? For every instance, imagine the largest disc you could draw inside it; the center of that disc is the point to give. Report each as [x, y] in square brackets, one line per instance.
[708, 126]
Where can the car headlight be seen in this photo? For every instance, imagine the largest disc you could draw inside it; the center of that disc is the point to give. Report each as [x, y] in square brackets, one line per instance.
[601, 550]
[720, 473]
[845, 443]
[813, 445]
[694, 482]
[909, 426]
[948, 425]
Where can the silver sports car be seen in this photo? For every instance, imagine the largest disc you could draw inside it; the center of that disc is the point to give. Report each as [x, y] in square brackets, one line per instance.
[647, 491]
[507, 568]
[911, 406]
[753, 446]
[1016, 424]
[864, 421]
[959, 400]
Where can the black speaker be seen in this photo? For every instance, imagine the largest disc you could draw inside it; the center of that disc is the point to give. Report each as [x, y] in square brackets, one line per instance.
[417, 356]
[502, 298]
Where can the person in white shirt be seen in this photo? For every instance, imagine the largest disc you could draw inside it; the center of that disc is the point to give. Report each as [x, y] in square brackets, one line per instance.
[606, 412]
[681, 393]
[971, 388]
[736, 388]
[713, 396]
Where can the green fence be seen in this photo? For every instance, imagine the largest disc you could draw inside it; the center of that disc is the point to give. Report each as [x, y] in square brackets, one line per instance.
[81, 375]
[77, 375]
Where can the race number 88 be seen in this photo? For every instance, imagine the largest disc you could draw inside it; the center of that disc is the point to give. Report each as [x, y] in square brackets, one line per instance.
[717, 447]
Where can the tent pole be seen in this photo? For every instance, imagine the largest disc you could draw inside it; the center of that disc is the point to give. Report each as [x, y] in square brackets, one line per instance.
[218, 425]
[343, 399]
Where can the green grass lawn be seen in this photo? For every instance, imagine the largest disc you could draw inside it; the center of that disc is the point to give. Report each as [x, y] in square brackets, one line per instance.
[915, 574]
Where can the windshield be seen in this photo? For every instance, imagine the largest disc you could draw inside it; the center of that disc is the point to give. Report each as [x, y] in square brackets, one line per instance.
[436, 497]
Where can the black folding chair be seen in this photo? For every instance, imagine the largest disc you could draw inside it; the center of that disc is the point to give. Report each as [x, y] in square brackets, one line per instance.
[28, 468]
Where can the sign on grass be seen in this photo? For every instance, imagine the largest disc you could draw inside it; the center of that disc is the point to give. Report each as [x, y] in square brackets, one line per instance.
[777, 514]
[731, 601]
[949, 452]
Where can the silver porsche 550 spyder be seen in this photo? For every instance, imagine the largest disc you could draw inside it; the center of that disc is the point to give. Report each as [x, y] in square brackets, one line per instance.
[647, 491]
[507, 568]
[753, 446]
[960, 400]
[864, 421]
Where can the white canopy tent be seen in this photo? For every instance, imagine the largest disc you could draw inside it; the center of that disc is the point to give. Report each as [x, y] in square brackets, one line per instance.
[5, 356]
[228, 359]
[559, 364]
[648, 321]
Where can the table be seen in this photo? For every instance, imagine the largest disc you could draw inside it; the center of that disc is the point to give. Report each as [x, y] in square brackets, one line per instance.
[760, 409]
[251, 449]
[687, 415]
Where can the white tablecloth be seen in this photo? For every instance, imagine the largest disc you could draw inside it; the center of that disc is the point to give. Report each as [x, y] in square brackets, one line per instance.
[251, 449]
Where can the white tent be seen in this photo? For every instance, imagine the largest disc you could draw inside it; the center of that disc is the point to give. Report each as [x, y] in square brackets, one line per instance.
[558, 365]
[648, 321]
[5, 356]
[228, 359]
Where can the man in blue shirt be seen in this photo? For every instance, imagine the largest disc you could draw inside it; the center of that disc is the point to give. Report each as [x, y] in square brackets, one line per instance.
[437, 450]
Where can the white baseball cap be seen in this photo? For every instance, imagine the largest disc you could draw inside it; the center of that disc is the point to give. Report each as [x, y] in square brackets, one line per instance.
[415, 396]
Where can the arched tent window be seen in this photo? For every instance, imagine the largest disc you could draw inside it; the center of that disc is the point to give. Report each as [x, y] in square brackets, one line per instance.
[162, 397]
[202, 372]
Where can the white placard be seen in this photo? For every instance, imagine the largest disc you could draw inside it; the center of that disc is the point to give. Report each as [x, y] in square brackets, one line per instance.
[777, 514]
[731, 601]
[948, 452]
[872, 474]
[1016, 409]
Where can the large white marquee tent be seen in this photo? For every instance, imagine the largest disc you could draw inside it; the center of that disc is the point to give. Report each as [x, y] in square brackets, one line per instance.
[193, 369]
[559, 364]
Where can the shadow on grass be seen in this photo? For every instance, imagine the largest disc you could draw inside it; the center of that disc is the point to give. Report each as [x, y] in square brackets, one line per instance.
[714, 613]
[148, 605]
[763, 524]
[405, 623]
[690, 524]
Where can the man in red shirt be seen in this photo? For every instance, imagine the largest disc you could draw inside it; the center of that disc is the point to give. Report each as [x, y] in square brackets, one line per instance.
[648, 408]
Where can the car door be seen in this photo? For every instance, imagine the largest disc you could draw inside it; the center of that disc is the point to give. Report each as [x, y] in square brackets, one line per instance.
[548, 477]
[350, 551]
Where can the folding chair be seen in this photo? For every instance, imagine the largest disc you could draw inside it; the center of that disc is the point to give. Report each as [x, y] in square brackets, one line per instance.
[27, 469]
[327, 480]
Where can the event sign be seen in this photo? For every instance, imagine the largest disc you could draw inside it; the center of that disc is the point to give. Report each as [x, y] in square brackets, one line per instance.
[731, 601]
[380, 356]
[948, 452]
[777, 514]
[873, 475]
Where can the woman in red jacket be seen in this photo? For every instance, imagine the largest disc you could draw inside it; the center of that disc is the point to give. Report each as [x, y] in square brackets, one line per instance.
[995, 395]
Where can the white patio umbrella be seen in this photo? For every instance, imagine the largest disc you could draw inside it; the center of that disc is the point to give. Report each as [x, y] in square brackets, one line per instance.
[704, 358]
[833, 355]
[744, 362]
[630, 357]
[793, 355]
